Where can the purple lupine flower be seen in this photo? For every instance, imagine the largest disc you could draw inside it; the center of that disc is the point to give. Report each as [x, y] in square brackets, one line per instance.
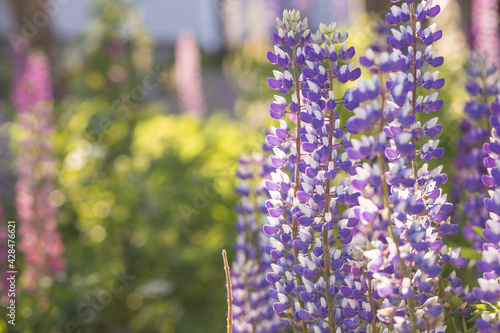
[322, 288]
[476, 130]
[410, 275]
[485, 24]
[489, 285]
[378, 42]
[252, 306]
[188, 76]
[487, 323]
[39, 239]
[374, 118]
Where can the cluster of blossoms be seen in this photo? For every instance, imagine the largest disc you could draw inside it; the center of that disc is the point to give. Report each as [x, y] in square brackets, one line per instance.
[489, 285]
[39, 239]
[402, 206]
[356, 217]
[252, 305]
[482, 87]
[311, 288]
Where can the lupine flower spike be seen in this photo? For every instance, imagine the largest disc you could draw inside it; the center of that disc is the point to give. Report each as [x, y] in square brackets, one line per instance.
[489, 285]
[482, 87]
[303, 212]
[252, 304]
[419, 208]
[188, 75]
[39, 239]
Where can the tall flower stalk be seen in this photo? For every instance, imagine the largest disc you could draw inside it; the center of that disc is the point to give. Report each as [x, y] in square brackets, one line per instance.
[304, 212]
[252, 304]
[188, 75]
[419, 208]
[482, 86]
[485, 24]
[489, 285]
[40, 240]
[373, 209]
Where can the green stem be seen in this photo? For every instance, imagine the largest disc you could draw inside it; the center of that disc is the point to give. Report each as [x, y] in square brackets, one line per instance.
[372, 304]
[326, 252]
[295, 227]
[452, 327]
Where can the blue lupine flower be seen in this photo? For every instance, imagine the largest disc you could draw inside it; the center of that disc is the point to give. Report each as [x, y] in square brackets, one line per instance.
[489, 285]
[404, 218]
[304, 221]
[252, 304]
[475, 128]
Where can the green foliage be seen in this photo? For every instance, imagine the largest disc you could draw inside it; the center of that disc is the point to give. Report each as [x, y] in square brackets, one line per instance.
[161, 213]
[140, 193]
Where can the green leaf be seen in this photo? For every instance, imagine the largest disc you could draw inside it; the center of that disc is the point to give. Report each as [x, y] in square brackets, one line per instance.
[478, 230]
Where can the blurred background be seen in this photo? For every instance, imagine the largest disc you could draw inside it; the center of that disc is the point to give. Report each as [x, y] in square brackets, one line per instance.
[121, 123]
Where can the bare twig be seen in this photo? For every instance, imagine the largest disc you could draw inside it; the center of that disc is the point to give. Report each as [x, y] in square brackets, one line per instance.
[229, 295]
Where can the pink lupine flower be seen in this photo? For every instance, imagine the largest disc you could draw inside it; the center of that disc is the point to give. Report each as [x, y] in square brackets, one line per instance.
[188, 78]
[485, 33]
[39, 239]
